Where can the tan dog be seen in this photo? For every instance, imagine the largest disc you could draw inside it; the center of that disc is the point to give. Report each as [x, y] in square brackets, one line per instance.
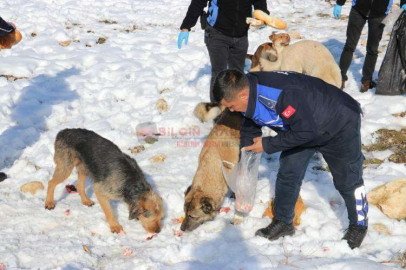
[204, 197]
[307, 57]
[115, 176]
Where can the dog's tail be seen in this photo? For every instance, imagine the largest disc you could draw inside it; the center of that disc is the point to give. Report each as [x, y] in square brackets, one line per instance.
[206, 111]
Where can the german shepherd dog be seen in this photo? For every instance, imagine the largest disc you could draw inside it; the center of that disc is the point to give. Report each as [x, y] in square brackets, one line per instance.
[204, 197]
[115, 176]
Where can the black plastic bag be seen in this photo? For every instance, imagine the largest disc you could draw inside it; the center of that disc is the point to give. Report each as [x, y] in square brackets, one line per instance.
[392, 74]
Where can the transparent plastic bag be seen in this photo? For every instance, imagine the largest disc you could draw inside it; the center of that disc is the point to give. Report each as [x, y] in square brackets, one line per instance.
[242, 179]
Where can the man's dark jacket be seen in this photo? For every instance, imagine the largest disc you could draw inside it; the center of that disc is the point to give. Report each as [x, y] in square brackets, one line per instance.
[227, 16]
[372, 8]
[312, 111]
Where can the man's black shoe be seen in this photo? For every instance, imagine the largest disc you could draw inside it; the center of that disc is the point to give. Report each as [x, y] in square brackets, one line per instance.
[276, 230]
[355, 235]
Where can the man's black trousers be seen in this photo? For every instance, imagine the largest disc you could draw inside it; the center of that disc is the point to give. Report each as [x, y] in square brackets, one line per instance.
[344, 157]
[356, 23]
[224, 51]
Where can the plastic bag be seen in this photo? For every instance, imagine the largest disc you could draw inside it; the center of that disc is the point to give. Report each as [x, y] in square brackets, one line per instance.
[392, 17]
[392, 74]
[242, 179]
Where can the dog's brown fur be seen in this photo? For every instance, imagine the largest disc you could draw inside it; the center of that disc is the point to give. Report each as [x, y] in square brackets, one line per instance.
[300, 207]
[115, 184]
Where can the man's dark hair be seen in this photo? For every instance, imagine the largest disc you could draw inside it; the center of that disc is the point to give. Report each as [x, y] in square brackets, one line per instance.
[228, 83]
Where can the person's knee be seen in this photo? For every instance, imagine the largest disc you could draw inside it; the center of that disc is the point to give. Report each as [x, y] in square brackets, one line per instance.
[350, 47]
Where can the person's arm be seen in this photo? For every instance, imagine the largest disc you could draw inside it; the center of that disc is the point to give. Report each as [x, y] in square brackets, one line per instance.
[5, 28]
[261, 5]
[295, 112]
[193, 13]
[249, 131]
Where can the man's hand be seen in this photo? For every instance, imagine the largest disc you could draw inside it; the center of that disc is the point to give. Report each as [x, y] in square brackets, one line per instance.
[183, 36]
[403, 7]
[257, 146]
[337, 11]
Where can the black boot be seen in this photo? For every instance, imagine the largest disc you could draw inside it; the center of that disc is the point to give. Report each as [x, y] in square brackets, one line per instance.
[355, 235]
[276, 230]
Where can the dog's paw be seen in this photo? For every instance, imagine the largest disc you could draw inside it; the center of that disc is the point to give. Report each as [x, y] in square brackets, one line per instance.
[49, 205]
[88, 203]
[116, 229]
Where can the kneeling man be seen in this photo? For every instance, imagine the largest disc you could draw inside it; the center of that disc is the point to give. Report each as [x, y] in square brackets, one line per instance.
[309, 116]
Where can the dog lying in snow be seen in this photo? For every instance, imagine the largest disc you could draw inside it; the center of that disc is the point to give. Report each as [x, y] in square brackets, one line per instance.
[307, 56]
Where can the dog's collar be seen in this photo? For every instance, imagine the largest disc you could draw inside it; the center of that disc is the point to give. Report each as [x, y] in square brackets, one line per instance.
[252, 99]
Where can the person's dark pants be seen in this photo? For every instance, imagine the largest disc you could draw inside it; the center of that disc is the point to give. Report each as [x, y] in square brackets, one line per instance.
[356, 23]
[344, 158]
[224, 51]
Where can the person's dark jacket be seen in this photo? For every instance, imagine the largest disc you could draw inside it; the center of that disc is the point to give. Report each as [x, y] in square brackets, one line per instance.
[312, 111]
[372, 8]
[5, 28]
[226, 16]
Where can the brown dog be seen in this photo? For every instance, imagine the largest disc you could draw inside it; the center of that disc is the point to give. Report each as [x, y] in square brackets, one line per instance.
[204, 197]
[267, 52]
[115, 176]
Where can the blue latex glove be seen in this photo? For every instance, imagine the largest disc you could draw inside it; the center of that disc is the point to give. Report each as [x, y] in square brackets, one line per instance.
[183, 36]
[403, 7]
[337, 11]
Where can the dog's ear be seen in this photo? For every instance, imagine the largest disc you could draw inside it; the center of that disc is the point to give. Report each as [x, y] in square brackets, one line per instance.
[207, 205]
[271, 37]
[188, 190]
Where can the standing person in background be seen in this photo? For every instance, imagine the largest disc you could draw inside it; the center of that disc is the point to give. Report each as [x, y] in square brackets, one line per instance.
[7, 40]
[374, 12]
[226, 31]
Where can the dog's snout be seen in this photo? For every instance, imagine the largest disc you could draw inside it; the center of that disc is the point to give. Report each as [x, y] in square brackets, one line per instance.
[183, 227]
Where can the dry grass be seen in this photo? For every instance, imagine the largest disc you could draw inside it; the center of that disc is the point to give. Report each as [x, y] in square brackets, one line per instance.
[390, 140]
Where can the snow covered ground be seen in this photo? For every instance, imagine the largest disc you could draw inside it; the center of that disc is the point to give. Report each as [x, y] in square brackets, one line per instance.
[111, 88]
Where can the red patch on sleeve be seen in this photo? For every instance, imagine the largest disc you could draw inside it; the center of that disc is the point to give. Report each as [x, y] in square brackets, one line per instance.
[288, 112]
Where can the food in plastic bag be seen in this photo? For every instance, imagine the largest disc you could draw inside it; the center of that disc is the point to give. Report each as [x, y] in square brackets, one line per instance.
[243, 180]
[392, 74]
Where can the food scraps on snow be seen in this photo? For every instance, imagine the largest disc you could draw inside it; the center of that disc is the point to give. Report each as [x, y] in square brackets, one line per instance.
[178, 220]
[152, 236]
[128, 252]
[71, 189]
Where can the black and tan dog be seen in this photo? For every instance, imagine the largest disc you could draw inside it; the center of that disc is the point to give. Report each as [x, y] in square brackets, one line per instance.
[115, 176]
